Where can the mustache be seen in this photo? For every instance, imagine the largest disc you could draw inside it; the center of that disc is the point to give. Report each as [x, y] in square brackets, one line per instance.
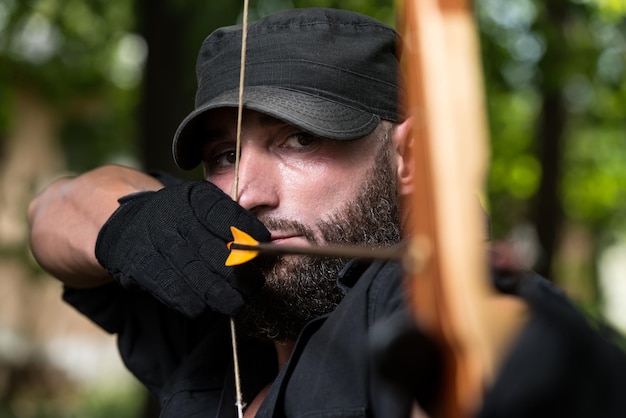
[282, 224]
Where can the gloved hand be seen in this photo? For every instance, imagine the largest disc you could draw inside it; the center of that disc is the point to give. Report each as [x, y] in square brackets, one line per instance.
[172, 243]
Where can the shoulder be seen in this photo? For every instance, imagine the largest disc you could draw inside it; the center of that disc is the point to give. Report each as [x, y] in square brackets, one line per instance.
[560, 364]
[377, 285]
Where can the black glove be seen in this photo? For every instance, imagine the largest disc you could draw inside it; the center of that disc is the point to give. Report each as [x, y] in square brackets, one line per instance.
[172, 243]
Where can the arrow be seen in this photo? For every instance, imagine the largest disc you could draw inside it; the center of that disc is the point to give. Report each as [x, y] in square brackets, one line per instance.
[244, 248]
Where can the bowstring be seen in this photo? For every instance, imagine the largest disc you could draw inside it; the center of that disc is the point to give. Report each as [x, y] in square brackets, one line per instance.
[235, 195]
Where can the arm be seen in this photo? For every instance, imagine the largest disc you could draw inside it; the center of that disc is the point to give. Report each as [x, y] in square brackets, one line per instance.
[67, 216]
[169, 242]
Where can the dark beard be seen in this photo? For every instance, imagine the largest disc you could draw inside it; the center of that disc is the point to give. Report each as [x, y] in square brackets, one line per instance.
[299, 289]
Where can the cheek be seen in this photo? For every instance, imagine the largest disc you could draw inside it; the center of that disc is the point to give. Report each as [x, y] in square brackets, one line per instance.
[318, 193]
[224, 184]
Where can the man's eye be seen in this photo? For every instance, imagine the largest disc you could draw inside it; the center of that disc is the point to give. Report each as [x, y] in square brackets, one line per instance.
[300, 140]
[221, 161]
[225, 159]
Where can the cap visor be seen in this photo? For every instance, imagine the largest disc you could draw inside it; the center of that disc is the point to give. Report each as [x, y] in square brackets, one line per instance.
[312, 113]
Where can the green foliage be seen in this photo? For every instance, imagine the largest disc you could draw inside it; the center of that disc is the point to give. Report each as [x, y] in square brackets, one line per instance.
[611, 10]
[66, 47]
[588, 70]
[593, 187]
[78, 67]
[85, 57]
[72, 54]
[573, 52]
[106, 404]
[92, 403]
[514, 172]
[382, 10]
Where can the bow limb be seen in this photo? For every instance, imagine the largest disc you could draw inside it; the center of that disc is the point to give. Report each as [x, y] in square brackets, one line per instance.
[451, 296]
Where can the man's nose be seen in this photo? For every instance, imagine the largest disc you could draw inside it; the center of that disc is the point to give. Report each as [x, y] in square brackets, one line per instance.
[258, 185]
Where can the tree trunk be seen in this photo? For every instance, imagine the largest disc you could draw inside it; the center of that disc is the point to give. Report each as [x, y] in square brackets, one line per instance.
[174, 32]
[547, 211]
[165, 97]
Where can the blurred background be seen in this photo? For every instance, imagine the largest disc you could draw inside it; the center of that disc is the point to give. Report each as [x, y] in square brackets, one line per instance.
[89, 82]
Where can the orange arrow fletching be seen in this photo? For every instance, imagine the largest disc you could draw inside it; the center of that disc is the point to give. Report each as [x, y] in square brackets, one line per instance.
[238, 256]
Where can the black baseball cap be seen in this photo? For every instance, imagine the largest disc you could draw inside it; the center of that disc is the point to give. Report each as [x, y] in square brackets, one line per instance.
[332, 73]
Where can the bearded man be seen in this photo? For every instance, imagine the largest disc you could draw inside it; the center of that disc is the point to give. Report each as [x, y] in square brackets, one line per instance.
[324, 159]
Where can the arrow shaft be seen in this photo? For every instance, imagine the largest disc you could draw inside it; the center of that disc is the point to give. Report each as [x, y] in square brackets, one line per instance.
[386, 253]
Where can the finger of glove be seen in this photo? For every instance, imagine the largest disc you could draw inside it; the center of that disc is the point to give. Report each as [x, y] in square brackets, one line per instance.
[201, 266]
[247, 279]
[171, 269]
[213, 288]
[219, 212]
[155, 275]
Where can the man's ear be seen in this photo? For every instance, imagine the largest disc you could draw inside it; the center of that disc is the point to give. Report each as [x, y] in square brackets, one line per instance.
[403, 146]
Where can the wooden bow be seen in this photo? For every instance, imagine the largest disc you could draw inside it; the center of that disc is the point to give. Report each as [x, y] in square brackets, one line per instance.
[451, 296]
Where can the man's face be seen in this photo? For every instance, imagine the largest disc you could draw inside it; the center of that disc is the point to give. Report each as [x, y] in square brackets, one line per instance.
[307, 191]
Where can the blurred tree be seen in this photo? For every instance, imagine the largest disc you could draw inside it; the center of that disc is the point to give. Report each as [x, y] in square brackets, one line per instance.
[71, 54]
[173, 31]
[119, 76]
[556, 91]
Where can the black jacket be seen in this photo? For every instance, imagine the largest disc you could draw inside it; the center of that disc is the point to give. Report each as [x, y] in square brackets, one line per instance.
[188, 364]
[559, 366]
